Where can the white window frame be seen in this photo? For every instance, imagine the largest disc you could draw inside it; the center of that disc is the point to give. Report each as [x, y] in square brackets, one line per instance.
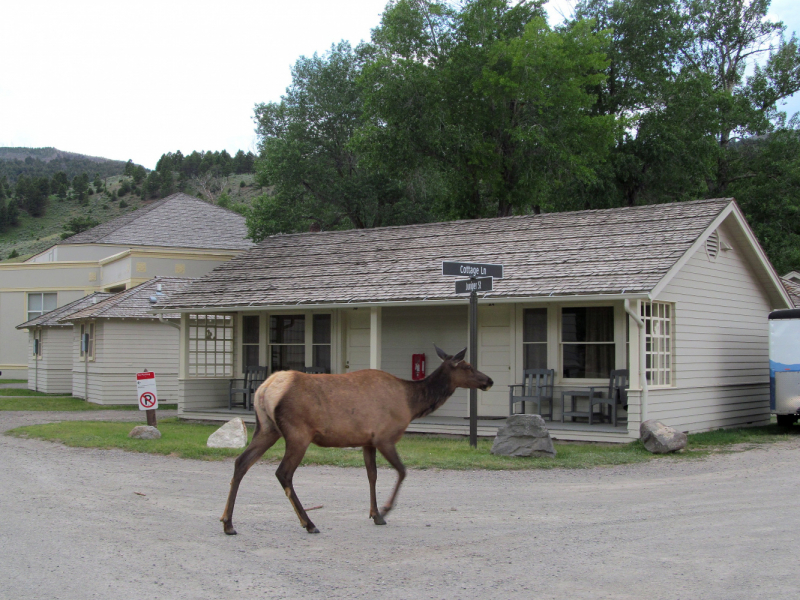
[37, 335]
[91, 328]
[32, 314]
[215, 329]
[659, 343]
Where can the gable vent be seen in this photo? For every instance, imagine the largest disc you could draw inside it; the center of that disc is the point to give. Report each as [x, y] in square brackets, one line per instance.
[712, 246]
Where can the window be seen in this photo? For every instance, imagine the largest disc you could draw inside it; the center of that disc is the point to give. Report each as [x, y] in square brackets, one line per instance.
[210, 345]
[657, 317]
[321, 341]
[87, 328]
[587, 342]
[287, 338]
[40, 303]
[534, 338]
[37, 343]
[250, 337]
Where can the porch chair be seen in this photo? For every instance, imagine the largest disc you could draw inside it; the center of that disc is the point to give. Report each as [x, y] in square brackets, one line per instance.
[616, 393]
[254, 376]
[536, 387]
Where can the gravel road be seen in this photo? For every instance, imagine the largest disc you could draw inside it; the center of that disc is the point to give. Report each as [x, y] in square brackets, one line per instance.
[81, 523]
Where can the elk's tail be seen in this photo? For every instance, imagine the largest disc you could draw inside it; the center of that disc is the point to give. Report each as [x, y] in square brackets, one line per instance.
[263, 410]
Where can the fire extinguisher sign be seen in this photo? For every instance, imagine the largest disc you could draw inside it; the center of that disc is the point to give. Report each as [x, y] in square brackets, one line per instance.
[146, 390]
[417, 367]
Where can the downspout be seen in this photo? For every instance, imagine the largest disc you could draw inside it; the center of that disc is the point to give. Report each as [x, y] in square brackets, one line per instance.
[165, 322]
[642, 357]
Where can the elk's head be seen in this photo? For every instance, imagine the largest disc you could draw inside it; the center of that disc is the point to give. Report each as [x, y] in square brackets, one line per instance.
[461, 373]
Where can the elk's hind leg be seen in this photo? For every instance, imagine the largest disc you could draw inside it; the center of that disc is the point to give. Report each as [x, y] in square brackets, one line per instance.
[263, 440]
[390, 453]
[295, 450]
[372, 475]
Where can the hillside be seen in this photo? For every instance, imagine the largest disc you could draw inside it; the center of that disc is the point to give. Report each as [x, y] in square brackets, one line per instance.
[33, 235]
[40, 162]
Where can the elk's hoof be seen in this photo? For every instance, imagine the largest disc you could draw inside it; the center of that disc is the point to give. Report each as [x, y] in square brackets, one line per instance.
[379, 520]
[312, 529]
[229, 530]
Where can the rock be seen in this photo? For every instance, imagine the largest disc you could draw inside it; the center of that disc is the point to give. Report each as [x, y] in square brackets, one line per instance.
[145, 432]
[523, 435]
[231, 435]
[661, 439]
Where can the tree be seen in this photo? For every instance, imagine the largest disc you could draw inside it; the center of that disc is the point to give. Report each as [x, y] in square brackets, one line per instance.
[315, 175]
[60, 184]
[78, 224]
[152, 185]
[129, 168]
[487, 106]
[80, 185]
[139, 174]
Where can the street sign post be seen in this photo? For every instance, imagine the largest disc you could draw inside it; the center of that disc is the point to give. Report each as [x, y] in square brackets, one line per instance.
[481, 279]
[479, 284]
[147, 394]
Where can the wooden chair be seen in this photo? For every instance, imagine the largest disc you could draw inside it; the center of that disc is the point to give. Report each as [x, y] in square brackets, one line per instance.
[616, 393]
[247, 386]
[536, 387]
[314, 370]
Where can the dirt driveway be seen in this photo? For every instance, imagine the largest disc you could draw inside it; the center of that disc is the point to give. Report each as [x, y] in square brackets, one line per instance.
[74, 527]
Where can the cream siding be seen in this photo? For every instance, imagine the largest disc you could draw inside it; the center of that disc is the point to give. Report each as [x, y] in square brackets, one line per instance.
[202, 394]
[408, 331]
[122, 349]
[721, 343]
[54, 373]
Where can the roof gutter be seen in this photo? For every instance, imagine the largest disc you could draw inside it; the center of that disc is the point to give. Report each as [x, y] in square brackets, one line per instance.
[642, 357]
[392, 303]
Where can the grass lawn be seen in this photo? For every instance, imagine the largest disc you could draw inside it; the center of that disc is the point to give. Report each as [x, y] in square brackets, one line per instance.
[13, 381]
[27, 392]
[188, 440]
[56, 403]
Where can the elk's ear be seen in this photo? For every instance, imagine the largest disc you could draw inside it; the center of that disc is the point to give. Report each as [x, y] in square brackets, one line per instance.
[442, 354]
[460, 355]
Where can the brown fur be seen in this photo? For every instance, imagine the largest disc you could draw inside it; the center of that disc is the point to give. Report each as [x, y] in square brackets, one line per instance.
[368, 408]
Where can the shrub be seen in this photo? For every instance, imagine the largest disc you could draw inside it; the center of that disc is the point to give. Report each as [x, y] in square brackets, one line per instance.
[13, 254]
[123, 204]
[242, 184]
[224, 201]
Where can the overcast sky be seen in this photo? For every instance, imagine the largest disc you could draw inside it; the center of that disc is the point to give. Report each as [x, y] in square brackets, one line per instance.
[137, 79]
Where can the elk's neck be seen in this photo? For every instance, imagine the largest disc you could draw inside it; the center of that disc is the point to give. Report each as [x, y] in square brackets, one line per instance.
[429, 394]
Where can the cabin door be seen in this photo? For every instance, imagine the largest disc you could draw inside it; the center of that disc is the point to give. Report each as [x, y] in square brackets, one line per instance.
[496, 356]
[357, 333]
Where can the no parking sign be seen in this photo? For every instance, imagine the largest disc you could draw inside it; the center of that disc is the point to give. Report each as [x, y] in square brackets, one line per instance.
[146, 391]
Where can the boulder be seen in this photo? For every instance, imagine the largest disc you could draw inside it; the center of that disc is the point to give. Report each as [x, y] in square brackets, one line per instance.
[231, 435]
[145, 432]
[523, 435]
[661, 439]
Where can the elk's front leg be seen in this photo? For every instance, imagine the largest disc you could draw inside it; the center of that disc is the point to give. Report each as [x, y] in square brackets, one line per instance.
[372, 475]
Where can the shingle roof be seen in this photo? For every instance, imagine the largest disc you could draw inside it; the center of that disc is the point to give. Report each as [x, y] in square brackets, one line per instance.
[793, 289]
[51, 319]
[588, 252]
[176, 221]
[133, 303]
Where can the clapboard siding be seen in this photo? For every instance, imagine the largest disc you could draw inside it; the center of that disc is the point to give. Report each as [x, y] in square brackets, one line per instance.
[202, 394]
[407, 331]
[55, 366]
[721, 344]
[122, 349]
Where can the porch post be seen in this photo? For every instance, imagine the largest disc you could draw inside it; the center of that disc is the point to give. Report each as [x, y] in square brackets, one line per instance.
[183, 347]
[634, 371]
[375, 337]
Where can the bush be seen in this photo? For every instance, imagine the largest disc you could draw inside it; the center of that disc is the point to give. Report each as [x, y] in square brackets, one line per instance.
[14, 254]
[123, 204]
[242, 184]
[104, 207]
[224, 201]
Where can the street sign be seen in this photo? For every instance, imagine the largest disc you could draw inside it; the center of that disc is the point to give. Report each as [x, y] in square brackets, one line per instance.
[467, 286]
[463, 269]
[146, 390]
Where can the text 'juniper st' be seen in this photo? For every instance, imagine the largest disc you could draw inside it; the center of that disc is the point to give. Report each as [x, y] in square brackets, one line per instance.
[368, 408]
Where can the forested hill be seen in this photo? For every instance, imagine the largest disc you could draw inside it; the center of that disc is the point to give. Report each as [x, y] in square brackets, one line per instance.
[46, 162]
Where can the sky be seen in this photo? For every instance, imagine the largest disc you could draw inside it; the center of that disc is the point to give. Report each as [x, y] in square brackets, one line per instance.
[137, 79]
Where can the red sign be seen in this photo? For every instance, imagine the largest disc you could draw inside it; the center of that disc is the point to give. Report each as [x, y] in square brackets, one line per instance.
[150, 375]
[146, 390]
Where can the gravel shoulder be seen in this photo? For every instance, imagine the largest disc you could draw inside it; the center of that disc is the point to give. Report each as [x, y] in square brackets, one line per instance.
[83, 523]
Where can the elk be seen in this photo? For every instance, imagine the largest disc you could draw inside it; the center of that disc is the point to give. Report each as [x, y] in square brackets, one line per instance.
[368, 408]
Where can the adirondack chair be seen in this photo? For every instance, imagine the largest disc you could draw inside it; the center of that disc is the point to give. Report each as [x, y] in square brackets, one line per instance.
[536, 387]
[247, 386]
[616, 393]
